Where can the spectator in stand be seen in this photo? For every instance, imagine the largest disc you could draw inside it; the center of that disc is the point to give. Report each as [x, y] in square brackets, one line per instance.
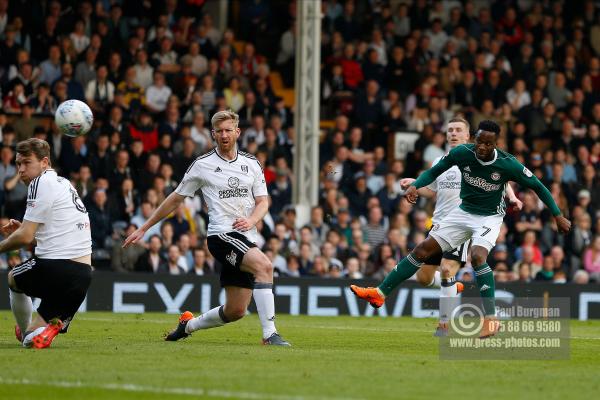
[100, 219]
[42, 101]
[50, 69]
[280, 191]
[351, 69]
[125, 259]
[200, 266]
[591, 259]
[157, 94]
[145, 129]
[152, 260]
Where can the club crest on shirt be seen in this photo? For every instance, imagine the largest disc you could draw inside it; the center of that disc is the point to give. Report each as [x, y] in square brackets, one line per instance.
[233, 182]
[495, 176]
[245, 169]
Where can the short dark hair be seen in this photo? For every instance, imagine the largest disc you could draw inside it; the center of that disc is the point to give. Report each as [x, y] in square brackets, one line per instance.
[38, 147]
[489, 126]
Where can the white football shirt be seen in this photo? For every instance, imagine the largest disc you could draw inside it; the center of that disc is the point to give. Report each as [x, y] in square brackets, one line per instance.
[228, 189]
[64, 226]
[447, 186]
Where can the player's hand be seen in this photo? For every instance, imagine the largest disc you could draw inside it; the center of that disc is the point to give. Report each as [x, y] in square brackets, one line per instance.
[134, 237]
[411, 194]
[405, 183]
[9, 228]
[563, 224]
[517, 204]
[242, 224]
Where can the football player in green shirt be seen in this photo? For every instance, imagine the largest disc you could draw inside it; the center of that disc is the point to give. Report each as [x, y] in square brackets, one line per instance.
[485, 172]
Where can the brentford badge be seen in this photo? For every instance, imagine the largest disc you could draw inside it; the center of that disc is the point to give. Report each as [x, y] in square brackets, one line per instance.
[495, 176]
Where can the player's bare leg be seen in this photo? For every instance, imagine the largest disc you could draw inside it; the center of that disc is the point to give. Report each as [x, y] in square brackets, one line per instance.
[237, 300]
[429, 276]
[404, 270]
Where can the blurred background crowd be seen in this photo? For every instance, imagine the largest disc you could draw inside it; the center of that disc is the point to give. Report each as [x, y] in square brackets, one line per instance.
[154, 72]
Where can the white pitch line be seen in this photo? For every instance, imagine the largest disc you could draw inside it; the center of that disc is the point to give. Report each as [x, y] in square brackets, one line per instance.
[199, 392]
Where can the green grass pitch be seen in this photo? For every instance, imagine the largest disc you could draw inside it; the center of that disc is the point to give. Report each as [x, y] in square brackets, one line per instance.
[123, 356]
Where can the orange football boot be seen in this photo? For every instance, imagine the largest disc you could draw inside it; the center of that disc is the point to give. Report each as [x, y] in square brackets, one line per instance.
[45, 338]
[369, 294]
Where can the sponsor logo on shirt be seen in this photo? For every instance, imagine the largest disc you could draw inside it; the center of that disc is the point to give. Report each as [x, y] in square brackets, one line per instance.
[229, 193]
[449, 185]
[451, 175]
[245, 169]
[481, 183]
[495, 176]
[218, 169]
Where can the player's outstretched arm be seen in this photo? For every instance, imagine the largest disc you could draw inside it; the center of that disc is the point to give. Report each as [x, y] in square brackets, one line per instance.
[429, 176]
[165, 208]
[444, 164]
[260, 210]
[525, 177]
[424, 191]
[512, 198]
[23, 235]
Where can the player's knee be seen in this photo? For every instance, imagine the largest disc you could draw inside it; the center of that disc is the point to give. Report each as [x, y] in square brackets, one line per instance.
[11, 281]
[478, 257]
[266, 266]
[446, 270]
[420, 253]
[234, 313]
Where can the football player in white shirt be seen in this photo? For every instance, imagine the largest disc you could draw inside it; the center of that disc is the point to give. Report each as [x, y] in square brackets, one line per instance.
[60, 272]
[233, 186]
[446, 190]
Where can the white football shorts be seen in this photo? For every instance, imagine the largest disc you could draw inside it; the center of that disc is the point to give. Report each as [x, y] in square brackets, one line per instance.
[459, 226]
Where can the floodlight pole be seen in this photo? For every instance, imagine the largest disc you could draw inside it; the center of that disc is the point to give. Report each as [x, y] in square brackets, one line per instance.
[305, 190]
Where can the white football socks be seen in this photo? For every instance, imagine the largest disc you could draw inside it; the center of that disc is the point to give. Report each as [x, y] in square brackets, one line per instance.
[448, 299]
[22, 308]
[265, 305]
[437, 280]
[210, 319]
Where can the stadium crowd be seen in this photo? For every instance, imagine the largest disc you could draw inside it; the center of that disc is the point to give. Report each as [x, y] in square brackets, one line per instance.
[154, 72]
